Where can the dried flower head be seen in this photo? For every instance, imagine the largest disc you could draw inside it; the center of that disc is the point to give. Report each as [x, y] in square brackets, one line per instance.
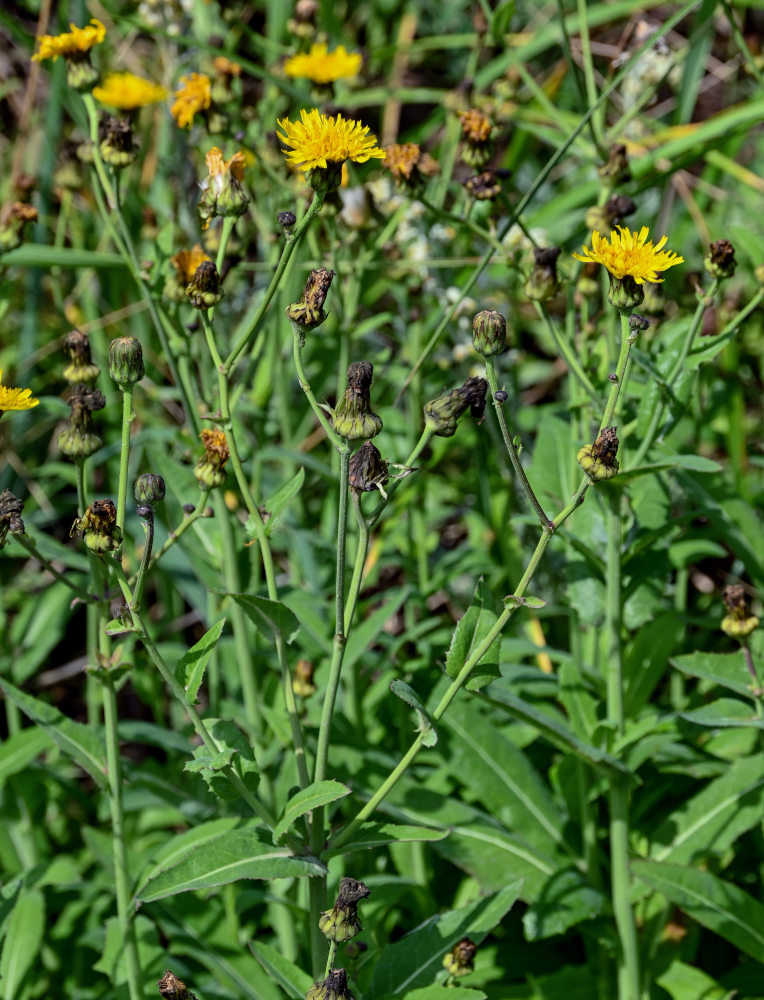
[543, 282]
[172, 988]
[738, 623]
[117, 146]
[128, 92]
[203, 290]
[720, 260]
[210, 470]
[98, 527]
[341, 922]
[460, 961]
[322, 66]
[13, 219]
[193, 95]
[15, 399]
[79, 439]
[320, 144]
[222, 193]
[484, 186]
[409, 165]
[302, 678]
[309, 313]
[477, 134]
[354, 418]
[599, 460]
[72, 43]
[442, 414]
[334, 987]
[183, 268]
[80, 367]
[10, 515]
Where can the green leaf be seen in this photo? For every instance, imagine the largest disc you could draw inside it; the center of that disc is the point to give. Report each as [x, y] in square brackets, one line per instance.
[292, 979]
[21, 947]
[426, 726]
[452, 992]
[500, 20]
[20, 749]
[276, 505]
[365, 633]
[692, 463]
[272, 619]
[565, 900]
[178, 846]
[645, 662]
[725, 669]
[371, 835]
[684, 982]
[320, 793]
[471, 630]
[513, 601]
[40, 255]
[234, 855]
[233, 750]
[190, 668]
[83, 743]
[417, 958]
[718, 905]
[725, 713]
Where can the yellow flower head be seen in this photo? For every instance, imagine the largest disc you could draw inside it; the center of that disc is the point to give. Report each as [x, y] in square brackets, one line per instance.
[320, 141]
[322, 66]
[186, 262]
[15, 399]
[219, 167]
[630, 255]
[127, 92]
[72, 42]
[193, 96]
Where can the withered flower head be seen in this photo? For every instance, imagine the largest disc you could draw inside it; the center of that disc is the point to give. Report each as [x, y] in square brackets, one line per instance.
[302, 679]
[738, 623]
[484, 186]
[117, 146]
[10, 515]
[78, 439]
[720, 260]
[442, 414]
[98, 527]
[460, 961]
[341, 922]
[543, 282]
[409, 166]
[354, 418]
[334, 987]
[183, 267]
[598, 460]
[210, 470]
[13, 219]
[477, 135]
[367, 470]
[222, 193]
[172, 988]
[203, 290]
[80, 367]
[309, 313]
[616, 171]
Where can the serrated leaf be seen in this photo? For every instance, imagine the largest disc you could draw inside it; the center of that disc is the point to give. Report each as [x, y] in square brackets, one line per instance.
[468, 636]
[82, 742]
[426, 726]
[292, 979]
[174, 849]
[320, 793]
[724, 713]
[235, 855]
[190, 668]
[232, 750]
[371, 835]
[271, 618]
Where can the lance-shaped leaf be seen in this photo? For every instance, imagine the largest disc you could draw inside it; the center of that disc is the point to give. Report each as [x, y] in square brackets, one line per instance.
[469, 634]
[191, 666]
[426, 726]
[320, 793]
[272, 619]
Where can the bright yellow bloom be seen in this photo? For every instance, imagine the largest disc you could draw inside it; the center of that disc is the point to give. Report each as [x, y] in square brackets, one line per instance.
[193, 96]
[629, 254]
[320, 140]
[127, 92]
[322, 66]
[15, 399]
[186, 262]
[70, 42]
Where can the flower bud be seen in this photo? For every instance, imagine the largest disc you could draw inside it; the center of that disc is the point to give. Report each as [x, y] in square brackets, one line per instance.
[489, 333]
[638, 324]
[616, 171]
[501, 396]
[302, 680]
[203, 291]
[720, 260]
[98, 527]
[484, 186]
[78, 439]
[367, 469]
[477, 136]
[117, 147]
[334, 987]
[81, 74]
[442, 414]
[149, 489]
[10, 516]
[80, 367]
[210, 470]
[543, 282]
[126, 361]
[739, 622]
[460, 961]
[598, 460]
[624, 293]
[341, 922]
[287, 220]
[354, 419]
[309, 311]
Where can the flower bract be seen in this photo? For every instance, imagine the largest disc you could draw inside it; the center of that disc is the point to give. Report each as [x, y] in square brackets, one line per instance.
[320, 140]
[322, 66]
[193, 95]
[71, 42]
[630, 254]
[15, 399]
[127, 92]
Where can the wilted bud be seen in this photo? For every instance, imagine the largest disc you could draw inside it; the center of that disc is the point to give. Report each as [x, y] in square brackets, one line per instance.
[460, 961]
[98, 527]
[210, 470]
[126, 361]
[624, 293]
[222, 193]
[13, 219]
[409, 165]
[484, 186]
[739, 622]
[80, 367]
[302, 680]
[598, 460]
[637, 323]
[10, 515]
[203, 291]
[309, 311]
[287, 220]
[172, 988]
[616, 171]
[543, 282]
[149, 488]
[117, 147]
[720, 260]
[442, 414]
[341, 922]
[489, 333]
[367, 470]
[78, 439]
[477, 136]
[354, 419]
[182, 269]
[334, 987]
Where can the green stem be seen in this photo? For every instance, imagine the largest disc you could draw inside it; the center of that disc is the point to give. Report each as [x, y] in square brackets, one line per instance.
[331, 958]
[463, 220]
[32, 549]
[567, 354]
[124, 455]
[82, 502]
[140, 583]
[490, 371]
[178, 533]
[297, 346]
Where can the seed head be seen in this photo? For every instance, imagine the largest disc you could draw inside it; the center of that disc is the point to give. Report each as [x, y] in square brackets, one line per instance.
[598, 460]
